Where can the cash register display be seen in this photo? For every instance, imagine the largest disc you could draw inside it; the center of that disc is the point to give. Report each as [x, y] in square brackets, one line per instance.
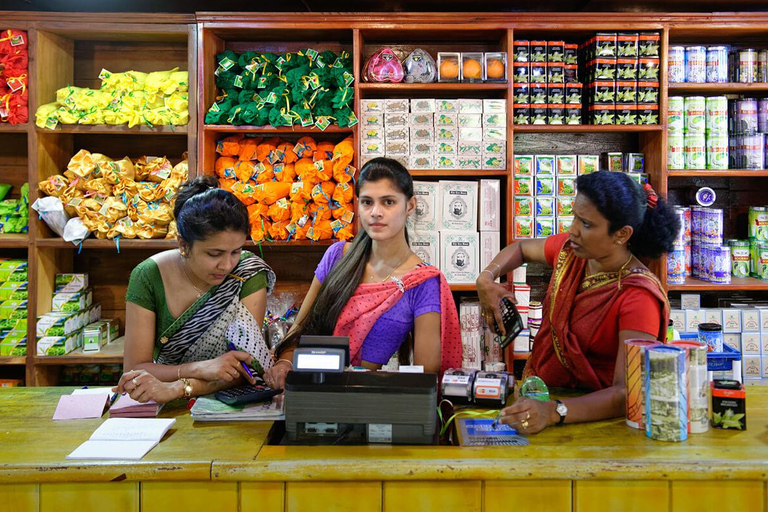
[318, 360]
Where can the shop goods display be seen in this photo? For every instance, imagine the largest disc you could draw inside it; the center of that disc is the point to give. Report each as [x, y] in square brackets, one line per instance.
[14, 286]
[420, 67]
[134, 98]
[14, 213]
[384, 66]
[91, 374]
[14, 77]
[305, 88]
[428, 133]
[293, 191]
[545, 187]
[717, 64]
[472, 67]
[118, 198]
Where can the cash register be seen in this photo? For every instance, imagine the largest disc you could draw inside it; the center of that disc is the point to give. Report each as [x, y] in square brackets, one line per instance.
[323, 402]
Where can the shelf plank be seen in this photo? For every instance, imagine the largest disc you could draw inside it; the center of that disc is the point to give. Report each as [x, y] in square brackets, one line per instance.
[14, 241]
[226, 128]
[521, 356]
[13, 360]
[463, 287]
[457, 173]
[725, 88]
[162, 243]
[586, 128]
[13, 128]
[728, 173]
[111, 353]
[435, 86]
[106, 129]
[737, 284]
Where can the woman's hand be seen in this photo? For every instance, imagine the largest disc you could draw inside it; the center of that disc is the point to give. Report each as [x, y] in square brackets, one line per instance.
[529, 416]
[142, 386]
[225, 368]
[275, 376]
[490, 294]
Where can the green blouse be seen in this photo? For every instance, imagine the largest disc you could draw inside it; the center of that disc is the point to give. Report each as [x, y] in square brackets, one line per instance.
[145, 289]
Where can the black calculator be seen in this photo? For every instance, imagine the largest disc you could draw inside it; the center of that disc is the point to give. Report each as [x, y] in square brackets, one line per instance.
[246, 394]
[513, 322]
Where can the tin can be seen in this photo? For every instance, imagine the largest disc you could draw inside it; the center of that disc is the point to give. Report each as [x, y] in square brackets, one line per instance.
[696, 64]
[696, 215]
[717, 151]
[680, 238]
[711, 335]
[746, 117]
[717, 64]
[762, 66]
[686, 224]
[734, 152]
[695, 259]
[687, 249]
[758, 223]
[740, 258]
[676, 266]
[753, 151]
[634, 378]
[761, 262]
[675, 114]
[695, 114]
[676, 151]
[713, 227]
[676, 64]
[698, 385]
[721, 264]
[762, 115]
[748, 66]
[716, 115]
[695, 151]
[705, 262]
[753, 256]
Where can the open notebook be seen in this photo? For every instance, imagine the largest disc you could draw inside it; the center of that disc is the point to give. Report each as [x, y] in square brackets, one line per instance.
[123, 439]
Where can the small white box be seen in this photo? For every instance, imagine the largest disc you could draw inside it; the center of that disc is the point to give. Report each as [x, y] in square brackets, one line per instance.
[490, 245]
[713, 316]
[421, 162]
[422, 105]
[449, 120]
[764, 343]
[523, 295]
[422, 119]
[400, 133]
[372, 119]
[396, 106]
[495, 147]
[678, 319]
[522, 343]
[470, 148]
[427, 214]
[731, 320]
[733, 340]
[470, 106]
[459, 205]
[763, 319]
[460, 258]
[450, 161]
[470, 134]
[446, 133]
[498, 120]
[751, 343]
[372, 133]
[421, 148]
[447, 106]
[397, 147]
[520, 274]
[690, 301]
[752, 367]
[494, 162]
[426, 245]
[401, 159]
[446, 148]
[372, 148]
[422, 133]
[494, 106]
[471, 120]
[367, 106]
[693, 317]
[398, 119]
[750, 320]
[490, 205]
[474, 163]
[492, 133]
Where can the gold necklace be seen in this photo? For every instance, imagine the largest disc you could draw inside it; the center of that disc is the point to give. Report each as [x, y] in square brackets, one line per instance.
[619, 271]
[372, 277]
[186, 273]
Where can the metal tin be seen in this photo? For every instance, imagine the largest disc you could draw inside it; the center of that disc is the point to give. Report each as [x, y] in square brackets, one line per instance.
[762, 66]
[740, 257]
[688, 252]
[676, 64]
[721, 264]
[716, 115]
[695, 151]
[753, 257]
[695, 259]
[666, 402]
[696, 64]
[713, 226]
[711, 335]
[746, 117]
[748, 66]
[676, 151]
[758, 223]
[761, 261]
[676, 266]
[675, 114]
[753, 151]
[717, 151]
[634, 378]
[697, 213]
[695, 114]
[686, 224]
[680, 238]
[734, 152]
[717, 64]
[762, 115]
[705, 196]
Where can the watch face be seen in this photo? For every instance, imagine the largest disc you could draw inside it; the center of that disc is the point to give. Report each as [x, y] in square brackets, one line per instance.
[561, 409]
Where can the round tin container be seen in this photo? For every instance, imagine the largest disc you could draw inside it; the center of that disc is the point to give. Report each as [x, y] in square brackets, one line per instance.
[748, 66]
[717, 64]
[740, 258]
[711, 335]
[676, 64]
[696, 64]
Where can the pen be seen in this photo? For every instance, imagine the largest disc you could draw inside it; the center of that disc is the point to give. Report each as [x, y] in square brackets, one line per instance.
[245, 366]
[113, 398]
[495, 423]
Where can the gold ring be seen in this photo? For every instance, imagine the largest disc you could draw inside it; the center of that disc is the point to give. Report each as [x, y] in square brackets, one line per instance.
[527, 415]
[135, 382]
[524, 423]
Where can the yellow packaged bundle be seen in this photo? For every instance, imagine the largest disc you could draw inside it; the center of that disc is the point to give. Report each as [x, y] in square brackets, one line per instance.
[135, 207]
[91, 117]
[156, 80]
[127, 81]
[117, 170]
[158, 169]
[148, 231]
[85, 165]
[67, 116]
[126, 189]
[100, 186]
[172, 233]
[150, 191]
[123, 228]
[177, 102]
[45, 113]
[157, 214]
[165, 116]
[179, 174]
[54, 186]
[113, 209]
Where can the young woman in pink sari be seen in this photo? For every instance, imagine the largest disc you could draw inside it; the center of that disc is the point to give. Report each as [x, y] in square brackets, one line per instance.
[376, 290]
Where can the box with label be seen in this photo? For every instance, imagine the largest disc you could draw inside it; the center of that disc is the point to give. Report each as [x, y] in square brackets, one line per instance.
[555, 113]
[396, 133]
[490, 245]
[733, 340]
[446, 120]
[545, 206]
[471, 134]
[446, 133]
[538, 94]
[422, 105]
[372, 120]
[76, 301]
[422, 119]
[421, 148]
[427, 214]
[751, 367]
[524, 227]
[471, 120]
[522, 113]
[648, 93]
[470, 148]
[731, 320]
[728, 402]
[556, 94]
[763, 318]
[449, 161]
[459, 205]
[566, 186]
[764, 344]
[524, 206]
[95, 336]
[460, 258]
[11, 311]
[13, 270]
[71, 282]
[544, 165]
[555, 73]
[398, 105]
[588, 164]
[524, 186]
[545, 226]
[14, 290]
[470, 106]
[490, 205]
[422, 133]
[494, 162]
[564, 223]
[678, 318]
[565, 165]
[14, 343]
[545, 185]
[494, 147]
[494, 106]
[524, 165]
[693, 317]
[470, 162]
[522, 90]
[367, 106]
[421, 162]
[426, 245]
[397, 148]
[690, 301]
[713, 316]
[751, 343]
[572, 114]
[537, 73]
[403, 160]
[59, 345]
[750, 320]
[397, 119]
[602, 114]
[447, 106]
[372, 148]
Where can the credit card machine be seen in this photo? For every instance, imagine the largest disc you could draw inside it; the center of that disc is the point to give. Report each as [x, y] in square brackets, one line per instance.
[513, 322]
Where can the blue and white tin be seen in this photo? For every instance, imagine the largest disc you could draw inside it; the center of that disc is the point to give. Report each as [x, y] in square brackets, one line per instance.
[696, 64]
[717, 64]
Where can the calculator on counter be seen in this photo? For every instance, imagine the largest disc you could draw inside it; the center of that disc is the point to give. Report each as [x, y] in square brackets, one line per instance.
[246, 394]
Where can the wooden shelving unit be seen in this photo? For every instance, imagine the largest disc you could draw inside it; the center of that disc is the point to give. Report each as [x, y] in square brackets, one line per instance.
[276, 130]
[103, 129]
[738, 284]
[718, 88]
[586, 128]
[14, 241]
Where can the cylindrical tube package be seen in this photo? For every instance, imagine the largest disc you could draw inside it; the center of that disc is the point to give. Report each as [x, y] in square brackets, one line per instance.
[634, 377]
[698, 385]
[666, 394]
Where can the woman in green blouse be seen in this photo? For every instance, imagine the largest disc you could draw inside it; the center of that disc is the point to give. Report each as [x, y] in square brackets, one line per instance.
[184, 306]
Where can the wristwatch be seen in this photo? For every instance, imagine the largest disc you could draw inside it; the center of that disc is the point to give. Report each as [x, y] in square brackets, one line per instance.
[187, 388]
[562, 411]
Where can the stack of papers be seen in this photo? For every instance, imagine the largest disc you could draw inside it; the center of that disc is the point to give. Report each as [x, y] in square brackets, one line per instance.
[207, 408]
[123, 439]
[127, 407]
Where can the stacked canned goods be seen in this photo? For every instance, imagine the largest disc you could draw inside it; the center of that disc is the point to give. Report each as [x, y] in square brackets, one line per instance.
[748, 126]
[698, 132]
[717, 64]
[699, 250]
[758, 241]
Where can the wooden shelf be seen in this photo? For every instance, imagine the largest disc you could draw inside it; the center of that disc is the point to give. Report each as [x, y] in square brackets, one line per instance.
[522, 356]
[92, 243]
[226, 128]
[13, 360]
[728, 173]
[13, 128]
[725, 88]
[457, 173]
[586, 128]
[435, 86]
[14, 241]
[463, 287]
[293, 243]
[111, 353]
[737, 284]
[106, 129]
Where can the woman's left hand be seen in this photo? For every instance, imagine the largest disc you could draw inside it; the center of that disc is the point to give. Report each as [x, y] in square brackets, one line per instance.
[528, 416]
[142, 386]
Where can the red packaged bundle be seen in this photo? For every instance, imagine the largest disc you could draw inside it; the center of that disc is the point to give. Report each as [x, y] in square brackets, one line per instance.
[14, 63]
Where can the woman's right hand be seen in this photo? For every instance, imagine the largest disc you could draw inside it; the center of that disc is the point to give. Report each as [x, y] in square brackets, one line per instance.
[227, 367]
[275, 376]
[490, 294]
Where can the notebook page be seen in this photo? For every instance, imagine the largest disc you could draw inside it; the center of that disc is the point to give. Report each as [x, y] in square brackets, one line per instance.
[108, 450]
[133, 429]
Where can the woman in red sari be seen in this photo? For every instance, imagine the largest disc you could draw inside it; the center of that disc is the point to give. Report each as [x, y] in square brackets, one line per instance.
[599, 296]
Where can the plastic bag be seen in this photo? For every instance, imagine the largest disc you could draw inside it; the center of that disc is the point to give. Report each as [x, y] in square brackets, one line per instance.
[51, 209]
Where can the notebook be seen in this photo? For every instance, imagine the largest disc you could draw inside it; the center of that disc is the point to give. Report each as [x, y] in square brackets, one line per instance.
[123, 439]
[207, 408]
[127, 407]
[83, 403]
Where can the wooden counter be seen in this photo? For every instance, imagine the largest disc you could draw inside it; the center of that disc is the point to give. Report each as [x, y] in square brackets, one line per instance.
[207, 467]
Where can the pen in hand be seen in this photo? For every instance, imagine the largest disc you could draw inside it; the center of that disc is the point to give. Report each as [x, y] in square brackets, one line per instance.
[245, 366]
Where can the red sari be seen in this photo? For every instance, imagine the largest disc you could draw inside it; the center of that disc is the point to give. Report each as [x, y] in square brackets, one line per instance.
[575, 310]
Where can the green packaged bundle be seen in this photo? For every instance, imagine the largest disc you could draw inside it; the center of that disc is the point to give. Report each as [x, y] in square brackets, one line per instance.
[13, 342]
[13, 270]
[58, 323]
[72, 301]
[59, 345]
[14, 290]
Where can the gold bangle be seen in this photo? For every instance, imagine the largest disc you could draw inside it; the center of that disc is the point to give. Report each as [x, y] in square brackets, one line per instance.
[178, 372]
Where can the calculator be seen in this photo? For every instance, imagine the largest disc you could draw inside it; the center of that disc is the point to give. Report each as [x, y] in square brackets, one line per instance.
[513, 322]
[246, 394]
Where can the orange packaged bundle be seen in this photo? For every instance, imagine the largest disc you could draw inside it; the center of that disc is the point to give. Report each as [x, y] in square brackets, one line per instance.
[299, 211]
[324, 169]
[322, 192]
[225, 167]
[289, 156]
[305, 147]
[257, 210]
[244, 170]
[248, 147]
[343, 193]
[343, 153]
[301, 192]
[306, 170]
[278, 231]
[342, 230]
[245, 192]
[301, 232]
[324, 151]
[260, 230]
[285, 172]
[229, 146]
[227, 184]
[280, 211]
[264, 172]
[319, 212]
[345, 212]
[270, 193]
[320, 230]
[265, 149]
